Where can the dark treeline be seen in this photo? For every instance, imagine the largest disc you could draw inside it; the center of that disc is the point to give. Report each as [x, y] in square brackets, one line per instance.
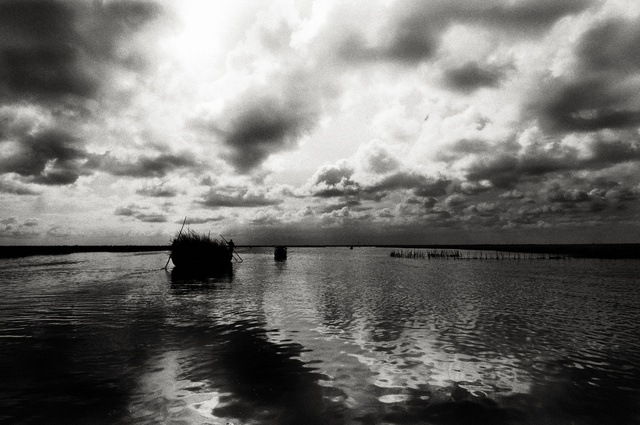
[605, 251]
[25, 251]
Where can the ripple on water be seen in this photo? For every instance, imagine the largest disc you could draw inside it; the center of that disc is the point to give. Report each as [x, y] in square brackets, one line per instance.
[331, 336]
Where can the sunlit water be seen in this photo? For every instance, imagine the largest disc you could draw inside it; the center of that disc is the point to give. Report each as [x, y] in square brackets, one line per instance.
[331, 336]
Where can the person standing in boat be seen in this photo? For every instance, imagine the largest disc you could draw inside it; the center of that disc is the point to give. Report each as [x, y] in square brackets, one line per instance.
[231, 245]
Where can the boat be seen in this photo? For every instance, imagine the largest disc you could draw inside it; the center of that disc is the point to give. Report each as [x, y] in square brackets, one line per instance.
[280, 253]
[193, 251]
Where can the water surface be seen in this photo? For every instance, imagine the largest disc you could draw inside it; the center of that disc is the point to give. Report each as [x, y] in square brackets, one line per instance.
[331, 336]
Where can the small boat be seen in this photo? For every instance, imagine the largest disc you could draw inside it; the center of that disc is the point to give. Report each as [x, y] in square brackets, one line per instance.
[280, 253]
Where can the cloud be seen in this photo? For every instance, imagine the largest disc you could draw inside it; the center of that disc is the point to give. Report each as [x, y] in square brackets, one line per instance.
[601, 92]
[152, 218]
[12, 228]
[201, 220]
[611, 46]
[472, 76]
[139, 213]
[281, 93]
[263, 126]
[145, 166]
[589, 103]
[613, 152]
[265, 218]
[239, 199]
[409, 42]
[544, 157]
[127, 211]
[332, 181]
[411, 31]
[512, 194]
[472, 188]
[50, 157]
[421, 185]
[51, 49]
[377, 159]
[567, 195]
[9, 221]
[56, 57]
[331, 175]
[40, 52]
[157, 191]
[10, 186]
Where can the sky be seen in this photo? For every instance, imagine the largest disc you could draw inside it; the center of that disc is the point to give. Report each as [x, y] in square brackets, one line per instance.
[320, 121]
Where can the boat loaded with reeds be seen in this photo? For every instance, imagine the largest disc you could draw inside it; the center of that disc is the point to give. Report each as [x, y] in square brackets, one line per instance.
[194, 252]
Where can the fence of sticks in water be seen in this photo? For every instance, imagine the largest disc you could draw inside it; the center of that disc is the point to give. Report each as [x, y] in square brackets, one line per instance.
[455, 254]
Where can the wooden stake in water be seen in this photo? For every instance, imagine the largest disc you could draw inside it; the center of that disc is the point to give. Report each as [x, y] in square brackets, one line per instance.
[179, 234]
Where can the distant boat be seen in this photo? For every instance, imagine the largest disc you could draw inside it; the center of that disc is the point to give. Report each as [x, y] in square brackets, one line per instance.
[280, 253]
[193, 251]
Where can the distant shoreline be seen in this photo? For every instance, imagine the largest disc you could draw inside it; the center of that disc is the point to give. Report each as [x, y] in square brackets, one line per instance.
[604, 251]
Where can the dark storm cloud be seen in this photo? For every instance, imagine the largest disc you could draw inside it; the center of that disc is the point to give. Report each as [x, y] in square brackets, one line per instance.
[144, 166]
[506, 171]
[50, 48]
[534, 163]
[216, 199]
[260, 131]
[332, 182]
[151, 218]
[614, 152]
[413, 29]
[40, 51]
[421, 185]
[51, 54]
[55, 156]
[588, 104]
[567, 195]
[528, 15]
[612, 46]
[50, 157]
[602, 92]
[270, 118]
[140, 214]
[337, 192]
[472, 76]
[502, 171]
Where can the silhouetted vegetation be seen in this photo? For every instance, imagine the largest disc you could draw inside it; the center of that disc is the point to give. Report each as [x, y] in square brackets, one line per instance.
[531, 251]
[194, 250]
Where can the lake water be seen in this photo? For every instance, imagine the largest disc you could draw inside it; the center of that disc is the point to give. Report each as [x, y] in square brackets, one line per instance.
[331, 336]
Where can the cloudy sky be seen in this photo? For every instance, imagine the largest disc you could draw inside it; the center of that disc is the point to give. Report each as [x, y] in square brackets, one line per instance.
[320, 121]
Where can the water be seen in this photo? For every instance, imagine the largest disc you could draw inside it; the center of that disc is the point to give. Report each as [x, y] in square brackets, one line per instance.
[331, 336]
